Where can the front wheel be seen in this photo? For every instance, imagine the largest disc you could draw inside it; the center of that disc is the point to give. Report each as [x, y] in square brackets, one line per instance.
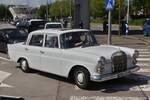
[24, 65]
[82, 77]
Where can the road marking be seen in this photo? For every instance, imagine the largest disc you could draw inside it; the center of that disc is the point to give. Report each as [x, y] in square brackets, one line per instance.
[144, 64]
[144, 70]
[145, 88]
[4, 75]
[145, 52]
[144, 55]
[5, 59]
[11, 97]
[143, 59]
[106, 98]
[142, 49]
[76, 87]
[5, 85]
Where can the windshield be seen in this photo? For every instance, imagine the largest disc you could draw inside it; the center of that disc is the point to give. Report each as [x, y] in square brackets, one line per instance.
[48, 26]
[77, 39]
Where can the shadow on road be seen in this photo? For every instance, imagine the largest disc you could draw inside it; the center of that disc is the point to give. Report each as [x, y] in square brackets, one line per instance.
[111, 86]
[122, 84]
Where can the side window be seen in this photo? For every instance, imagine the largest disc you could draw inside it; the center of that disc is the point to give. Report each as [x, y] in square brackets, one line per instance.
[64, 39]
[36, 40]
[51, 41]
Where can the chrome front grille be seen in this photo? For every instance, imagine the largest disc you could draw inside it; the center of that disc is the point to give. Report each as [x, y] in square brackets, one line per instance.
[119, 62]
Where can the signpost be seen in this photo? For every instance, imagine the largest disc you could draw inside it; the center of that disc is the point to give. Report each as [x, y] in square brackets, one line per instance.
[109, 7]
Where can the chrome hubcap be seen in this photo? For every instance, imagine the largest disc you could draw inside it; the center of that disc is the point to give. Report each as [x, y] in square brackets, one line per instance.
[80, 77]
[23, 65]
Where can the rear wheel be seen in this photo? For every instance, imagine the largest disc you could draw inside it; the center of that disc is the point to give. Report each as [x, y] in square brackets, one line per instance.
[24, 65]
[82, 77]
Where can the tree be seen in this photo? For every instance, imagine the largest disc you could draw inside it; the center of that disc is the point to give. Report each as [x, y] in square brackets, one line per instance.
[5, 13]
[59, 9]
[97, 8]
[140, 6]
[41, 13]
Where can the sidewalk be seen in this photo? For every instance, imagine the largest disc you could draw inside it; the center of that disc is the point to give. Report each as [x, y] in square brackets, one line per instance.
[122, 40]
[115, 27]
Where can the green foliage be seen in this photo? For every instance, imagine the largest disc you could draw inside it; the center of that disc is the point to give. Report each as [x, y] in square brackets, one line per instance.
[59, 9]
[4, 12]
[97, 8]
[138, 5]
[41, 13]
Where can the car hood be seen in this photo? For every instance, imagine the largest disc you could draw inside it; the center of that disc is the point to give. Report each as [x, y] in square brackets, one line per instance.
[97, 51]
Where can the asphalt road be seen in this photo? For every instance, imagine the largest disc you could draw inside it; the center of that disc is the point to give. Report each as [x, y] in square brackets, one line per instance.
[43, 86]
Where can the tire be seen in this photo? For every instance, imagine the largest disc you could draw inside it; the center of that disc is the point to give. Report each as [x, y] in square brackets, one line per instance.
[82, 77]
[24, 66]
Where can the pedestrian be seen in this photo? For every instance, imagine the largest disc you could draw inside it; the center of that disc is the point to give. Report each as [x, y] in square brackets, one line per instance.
[123, 27]
[105, 26]
[81, 24]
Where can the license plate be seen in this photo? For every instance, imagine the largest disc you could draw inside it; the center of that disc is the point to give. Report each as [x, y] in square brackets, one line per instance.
[123, 74]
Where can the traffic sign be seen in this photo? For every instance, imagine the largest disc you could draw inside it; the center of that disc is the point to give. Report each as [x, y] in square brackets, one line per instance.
[110, 5]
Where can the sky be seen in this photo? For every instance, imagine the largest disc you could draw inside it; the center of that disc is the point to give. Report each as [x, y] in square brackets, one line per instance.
[33, 3]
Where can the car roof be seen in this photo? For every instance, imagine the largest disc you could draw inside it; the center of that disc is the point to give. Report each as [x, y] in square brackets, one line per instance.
[58, 31]
[35, 20]
[53, 23]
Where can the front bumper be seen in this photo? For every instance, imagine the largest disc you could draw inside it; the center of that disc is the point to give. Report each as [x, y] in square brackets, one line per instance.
[100, 78]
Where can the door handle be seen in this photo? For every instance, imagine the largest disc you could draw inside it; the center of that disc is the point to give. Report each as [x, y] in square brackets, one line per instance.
[26, 49]
[42, 52]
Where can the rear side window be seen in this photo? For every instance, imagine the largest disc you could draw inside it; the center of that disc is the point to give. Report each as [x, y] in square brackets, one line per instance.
[51, 41]
[36, 40]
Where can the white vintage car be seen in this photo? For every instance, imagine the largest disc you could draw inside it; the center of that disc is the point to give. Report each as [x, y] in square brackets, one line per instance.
[74, 54]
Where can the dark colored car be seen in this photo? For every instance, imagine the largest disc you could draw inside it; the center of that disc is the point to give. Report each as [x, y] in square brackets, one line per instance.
[146, 28]
[22, 25]
[35, 24]
[11, 36]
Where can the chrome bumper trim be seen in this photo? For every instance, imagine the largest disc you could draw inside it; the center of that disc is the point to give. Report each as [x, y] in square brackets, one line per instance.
[100, 78]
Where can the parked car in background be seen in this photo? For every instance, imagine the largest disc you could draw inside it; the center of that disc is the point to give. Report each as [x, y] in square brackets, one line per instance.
[74, 54]
[11, 36]
[54, 25]
[22, 24]
[35, 24]
[146, 28]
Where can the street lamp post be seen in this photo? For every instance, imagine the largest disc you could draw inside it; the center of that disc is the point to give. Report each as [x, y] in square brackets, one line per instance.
[47, 10]
[128, 10]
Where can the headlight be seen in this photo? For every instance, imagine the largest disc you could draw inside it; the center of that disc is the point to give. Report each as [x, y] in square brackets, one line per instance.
[100, 66]
[135, 56]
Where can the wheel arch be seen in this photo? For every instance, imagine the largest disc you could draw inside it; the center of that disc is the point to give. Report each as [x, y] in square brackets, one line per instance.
[19, 59]
[71, 71]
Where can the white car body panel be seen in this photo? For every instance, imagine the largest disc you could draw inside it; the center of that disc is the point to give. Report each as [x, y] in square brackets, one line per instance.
[61, 61]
